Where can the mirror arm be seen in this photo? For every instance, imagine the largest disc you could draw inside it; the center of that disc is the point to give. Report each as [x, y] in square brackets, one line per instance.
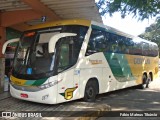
[55, 38]
[7, 42]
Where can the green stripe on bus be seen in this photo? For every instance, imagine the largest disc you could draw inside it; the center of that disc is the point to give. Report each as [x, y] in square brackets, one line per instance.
[39, 82]
[119, 66]
[29, 82]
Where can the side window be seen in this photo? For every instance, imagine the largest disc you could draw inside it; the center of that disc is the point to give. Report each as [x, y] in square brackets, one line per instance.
[117, 43]
[151, 53]
[155, 50]
[145, 49]
[129, 45]
[123, 44]
[137, 48]
[107, 43]
[114, 43]
[96, 42]
[120, 44]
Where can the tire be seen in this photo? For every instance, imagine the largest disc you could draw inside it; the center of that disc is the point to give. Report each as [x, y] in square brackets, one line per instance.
[145, 82]
[149, 79]
[90, 91]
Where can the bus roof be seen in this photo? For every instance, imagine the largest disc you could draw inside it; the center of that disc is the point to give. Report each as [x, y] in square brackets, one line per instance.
[87, 23]
[146, 41]
[62, 22]
[111, 29]
[116, 31]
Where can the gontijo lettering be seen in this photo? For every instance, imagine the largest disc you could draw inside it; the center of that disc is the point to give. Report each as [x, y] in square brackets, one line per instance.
[141, 61]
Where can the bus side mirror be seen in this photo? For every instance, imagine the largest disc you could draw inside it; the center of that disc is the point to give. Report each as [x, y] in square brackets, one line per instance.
[6, 43]
[53, 40]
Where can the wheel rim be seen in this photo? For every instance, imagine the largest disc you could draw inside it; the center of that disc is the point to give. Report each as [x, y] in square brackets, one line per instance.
[149, 79]
[144, 81]
[90, 92]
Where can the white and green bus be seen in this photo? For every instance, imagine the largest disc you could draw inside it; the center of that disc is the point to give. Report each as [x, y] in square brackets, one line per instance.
[71, 59]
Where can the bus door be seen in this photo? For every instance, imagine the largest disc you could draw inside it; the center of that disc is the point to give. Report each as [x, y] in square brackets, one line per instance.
[65, 71]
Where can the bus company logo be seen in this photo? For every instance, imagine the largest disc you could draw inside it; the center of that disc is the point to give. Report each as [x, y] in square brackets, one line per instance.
[95, 62]
[141, 61]
[68, 94]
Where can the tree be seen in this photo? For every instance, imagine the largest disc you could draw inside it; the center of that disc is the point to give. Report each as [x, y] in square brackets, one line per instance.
[152, 33]
[143, 9]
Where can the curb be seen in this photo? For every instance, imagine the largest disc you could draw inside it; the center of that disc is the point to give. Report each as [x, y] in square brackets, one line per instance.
[83, 111]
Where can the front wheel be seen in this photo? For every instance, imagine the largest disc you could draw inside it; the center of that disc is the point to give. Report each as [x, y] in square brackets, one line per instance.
[90, 92]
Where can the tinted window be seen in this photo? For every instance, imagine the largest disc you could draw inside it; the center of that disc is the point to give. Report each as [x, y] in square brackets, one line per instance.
[154, 50]
[103, 41]
[137, 48]
[96, 42]
[145, 49]
[66, 54]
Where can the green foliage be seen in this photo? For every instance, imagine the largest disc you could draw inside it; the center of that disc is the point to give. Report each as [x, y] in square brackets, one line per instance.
[152, 33]
[143, 9]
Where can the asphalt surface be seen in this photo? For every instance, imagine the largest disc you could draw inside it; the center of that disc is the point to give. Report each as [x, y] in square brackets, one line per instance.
[132, 100]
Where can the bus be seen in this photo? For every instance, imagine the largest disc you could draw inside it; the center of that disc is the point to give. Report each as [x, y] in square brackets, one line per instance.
[66, 60]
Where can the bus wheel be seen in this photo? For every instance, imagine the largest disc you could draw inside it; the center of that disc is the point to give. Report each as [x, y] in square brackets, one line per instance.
[149, 79]
[144, 80]
[90, 92]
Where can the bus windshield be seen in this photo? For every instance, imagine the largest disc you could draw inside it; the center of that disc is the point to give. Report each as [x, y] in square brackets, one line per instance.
[32, 57]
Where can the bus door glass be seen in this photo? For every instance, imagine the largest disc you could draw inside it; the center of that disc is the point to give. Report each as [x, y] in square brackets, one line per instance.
[65, 69]
[68, 53]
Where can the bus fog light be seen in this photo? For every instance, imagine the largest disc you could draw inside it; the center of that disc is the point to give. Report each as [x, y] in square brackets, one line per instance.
[42, 87]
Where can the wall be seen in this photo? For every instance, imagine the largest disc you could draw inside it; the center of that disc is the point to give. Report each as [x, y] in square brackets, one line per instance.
[10, 34]
[2, 69]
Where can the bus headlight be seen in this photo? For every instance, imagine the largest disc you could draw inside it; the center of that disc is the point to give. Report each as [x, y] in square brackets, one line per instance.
[47, 85]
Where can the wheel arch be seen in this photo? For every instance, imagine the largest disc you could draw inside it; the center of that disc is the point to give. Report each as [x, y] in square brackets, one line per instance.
[83, 86]
[91, 90]
[94, 79]
[144, 80]
[151, 74]
[145, 73]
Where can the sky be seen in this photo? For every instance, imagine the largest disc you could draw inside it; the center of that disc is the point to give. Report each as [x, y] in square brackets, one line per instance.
[128, 25]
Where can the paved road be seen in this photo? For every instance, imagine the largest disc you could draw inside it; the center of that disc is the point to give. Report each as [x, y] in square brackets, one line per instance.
[131, 99]
[134, 99]
[11, 104]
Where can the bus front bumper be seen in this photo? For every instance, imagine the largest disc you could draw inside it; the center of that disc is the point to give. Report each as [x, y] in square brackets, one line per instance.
[46, 96]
